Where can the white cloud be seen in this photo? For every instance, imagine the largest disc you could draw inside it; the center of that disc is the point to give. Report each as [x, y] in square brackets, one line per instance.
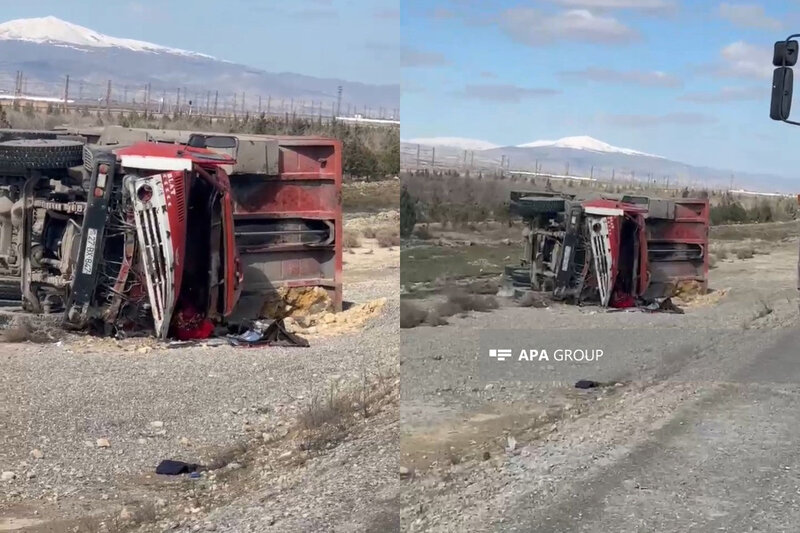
[745, 60]
[639, 121]
[535, 28]
[647, 78]
[642, 5]
[748, 16]
[727, 94]
[411, 57]
[504, 92]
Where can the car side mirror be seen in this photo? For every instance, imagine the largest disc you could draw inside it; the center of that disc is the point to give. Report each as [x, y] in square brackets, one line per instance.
[785, 54]
[781, 104]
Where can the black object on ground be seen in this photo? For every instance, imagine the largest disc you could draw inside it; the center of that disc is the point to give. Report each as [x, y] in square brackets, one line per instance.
[168, 467]
[586, 384]
[275, 334]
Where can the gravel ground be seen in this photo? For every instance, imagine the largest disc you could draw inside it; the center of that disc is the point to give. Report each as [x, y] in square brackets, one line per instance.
[613, 458]
[151, 403]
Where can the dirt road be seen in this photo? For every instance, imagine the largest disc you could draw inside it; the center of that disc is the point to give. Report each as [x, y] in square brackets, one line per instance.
[690, 431]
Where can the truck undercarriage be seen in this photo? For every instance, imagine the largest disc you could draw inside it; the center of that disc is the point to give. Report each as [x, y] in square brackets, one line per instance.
[130, 237]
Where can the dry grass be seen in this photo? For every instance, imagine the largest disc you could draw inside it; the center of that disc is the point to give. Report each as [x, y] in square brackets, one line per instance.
[411, 314]
[327, 418]
[471, 302]
[745, 252]
[423, 232]
[387, 238]
[21, 330]
[352, 239]
[458, 302]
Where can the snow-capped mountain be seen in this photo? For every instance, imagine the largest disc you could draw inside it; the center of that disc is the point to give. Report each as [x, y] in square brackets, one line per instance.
[48, 49]
[583, 156]
[584, 142]
[52, 30]
[462, 143]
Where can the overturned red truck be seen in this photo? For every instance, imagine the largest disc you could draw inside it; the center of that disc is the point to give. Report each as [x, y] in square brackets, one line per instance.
[163, 231]
[617, 252]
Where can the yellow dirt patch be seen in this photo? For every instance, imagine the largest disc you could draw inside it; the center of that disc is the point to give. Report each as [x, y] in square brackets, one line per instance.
[297, 302]
[691, 294]
[334, 323]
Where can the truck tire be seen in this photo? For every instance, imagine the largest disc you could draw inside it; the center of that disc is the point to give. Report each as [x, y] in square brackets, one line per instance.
[40, 154]
[13, 135]
[518, 276]
[537, 205]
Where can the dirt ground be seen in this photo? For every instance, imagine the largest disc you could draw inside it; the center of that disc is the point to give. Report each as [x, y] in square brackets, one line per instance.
[295, 439]
[522, 453]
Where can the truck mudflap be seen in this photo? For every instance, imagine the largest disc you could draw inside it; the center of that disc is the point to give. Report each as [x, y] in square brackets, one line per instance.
[159, 207]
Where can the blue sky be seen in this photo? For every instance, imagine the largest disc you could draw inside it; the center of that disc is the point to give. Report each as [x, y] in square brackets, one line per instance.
[355, 40]
[686, 80]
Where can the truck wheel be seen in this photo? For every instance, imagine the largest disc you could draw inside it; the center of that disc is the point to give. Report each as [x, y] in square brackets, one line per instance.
[537, 205]
[40, 154]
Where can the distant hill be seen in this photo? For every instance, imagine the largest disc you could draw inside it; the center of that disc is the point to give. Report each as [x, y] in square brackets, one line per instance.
[584, 156]
[47, 49]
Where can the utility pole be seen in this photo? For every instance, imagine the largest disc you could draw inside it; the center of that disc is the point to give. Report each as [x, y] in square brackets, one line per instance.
[338, 100]
[178, 101]
[66, 93]
[108, 97]
[259, 105]
[269, 103]
[216, 98]
[433, 157]
[417, 157]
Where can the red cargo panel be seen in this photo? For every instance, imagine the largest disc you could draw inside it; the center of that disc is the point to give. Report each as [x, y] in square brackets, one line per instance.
[678, 246]
[289, 226]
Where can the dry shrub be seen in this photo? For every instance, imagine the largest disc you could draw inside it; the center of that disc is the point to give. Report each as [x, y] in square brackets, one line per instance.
[327, 418]
[352, 239]
[411, 315]
[531, 299]
[472, 302]
[433, 318]
[388, 238]
[483, 287]
[21, 330]
[712, 261]
[745, 253]
[423, 232]
[369, 232]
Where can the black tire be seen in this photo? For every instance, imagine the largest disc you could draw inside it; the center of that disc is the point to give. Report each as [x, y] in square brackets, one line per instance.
[537, 205]
[12, 135]
[518, 276]
[40, 154]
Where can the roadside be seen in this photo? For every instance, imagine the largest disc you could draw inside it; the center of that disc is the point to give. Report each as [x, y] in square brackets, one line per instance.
[85, 421]
[522, 454]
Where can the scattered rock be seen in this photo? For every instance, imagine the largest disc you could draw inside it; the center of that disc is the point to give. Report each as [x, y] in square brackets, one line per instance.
[8, 475]
[404, 472]
[158, 424]
[37, 453]
[103, 443]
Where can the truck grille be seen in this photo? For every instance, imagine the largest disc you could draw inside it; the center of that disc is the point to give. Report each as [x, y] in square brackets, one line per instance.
[156, 263]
